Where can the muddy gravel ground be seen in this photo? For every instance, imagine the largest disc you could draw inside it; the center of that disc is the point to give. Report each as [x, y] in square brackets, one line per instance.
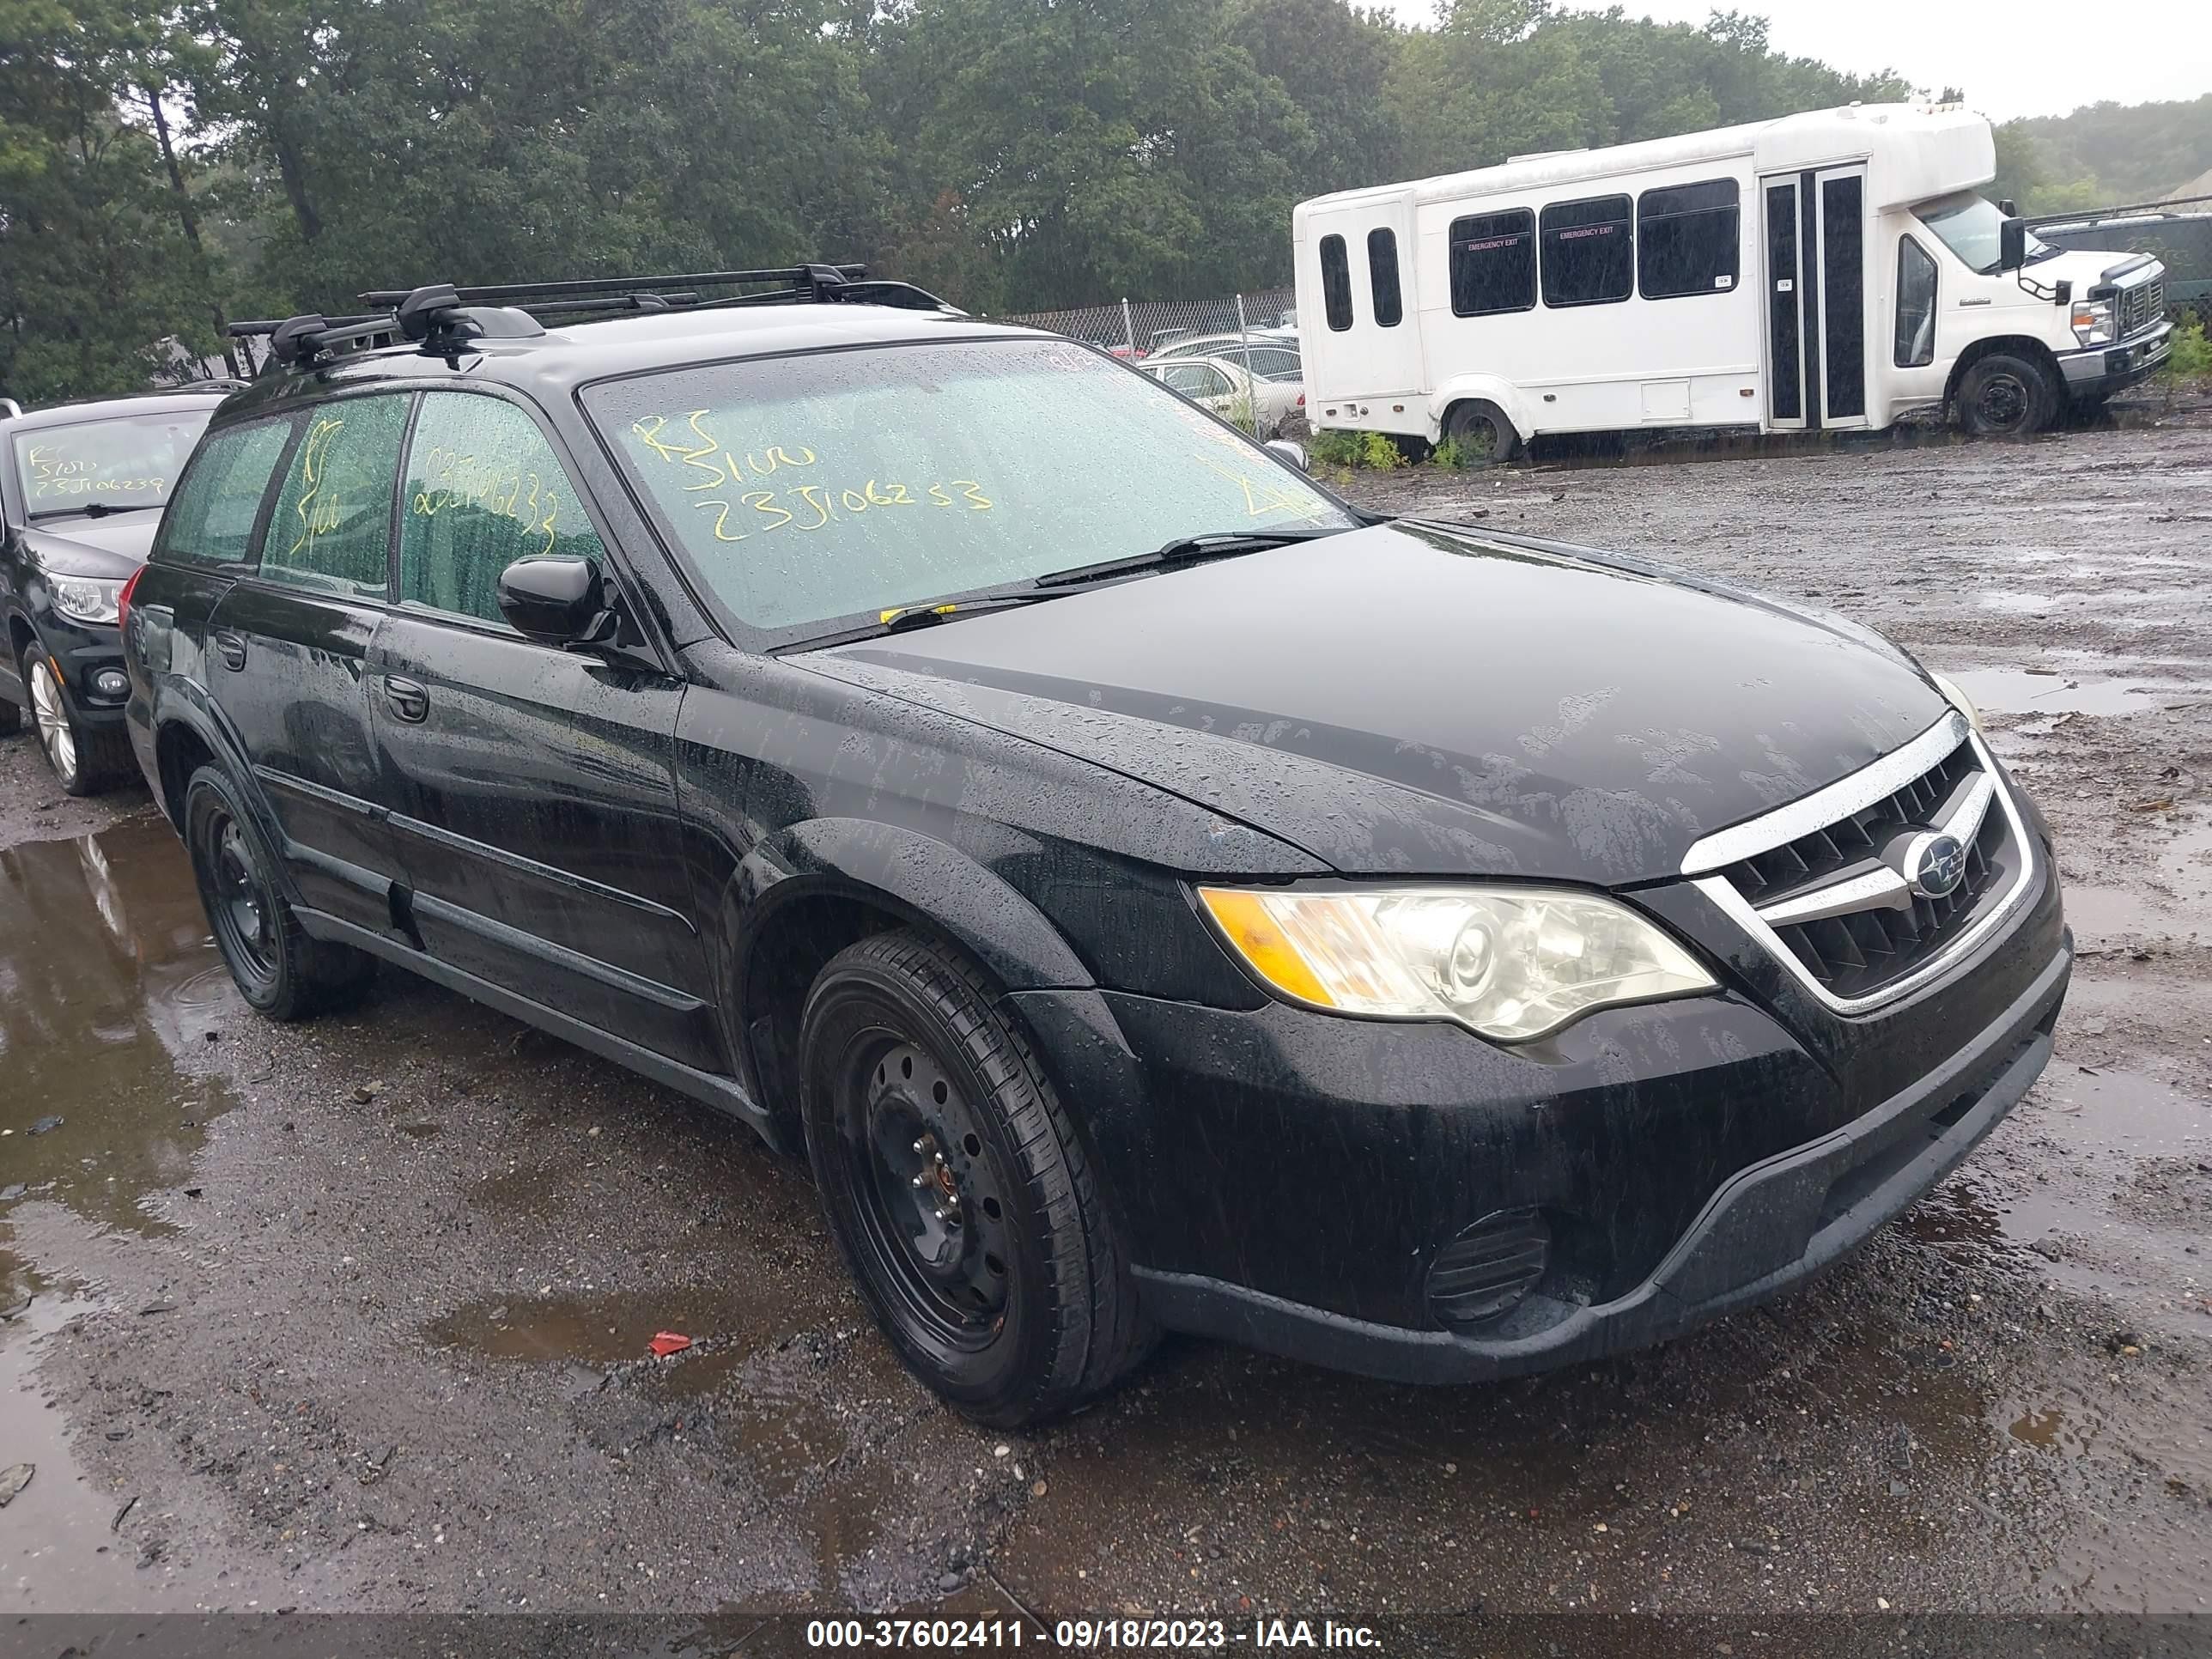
[355, 1315]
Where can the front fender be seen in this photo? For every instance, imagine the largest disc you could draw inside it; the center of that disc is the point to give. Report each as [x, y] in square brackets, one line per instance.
[1490, 388]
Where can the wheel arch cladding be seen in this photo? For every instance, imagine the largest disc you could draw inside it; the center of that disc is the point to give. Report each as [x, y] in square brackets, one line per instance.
[811, 890]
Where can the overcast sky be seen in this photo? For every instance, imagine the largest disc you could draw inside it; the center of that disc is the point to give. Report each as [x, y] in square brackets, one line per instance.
[2013, 56]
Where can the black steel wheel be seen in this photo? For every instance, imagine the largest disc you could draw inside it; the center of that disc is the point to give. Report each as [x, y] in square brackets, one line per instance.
[277, 969]
[2003, 396]
[958, 1186]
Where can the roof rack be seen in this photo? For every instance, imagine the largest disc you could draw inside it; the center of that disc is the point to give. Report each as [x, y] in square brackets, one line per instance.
[440, 316]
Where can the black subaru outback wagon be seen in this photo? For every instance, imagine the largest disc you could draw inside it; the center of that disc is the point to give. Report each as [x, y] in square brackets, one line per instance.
[1155, 895]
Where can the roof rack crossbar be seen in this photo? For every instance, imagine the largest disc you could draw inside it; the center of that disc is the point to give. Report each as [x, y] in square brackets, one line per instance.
[510, 292]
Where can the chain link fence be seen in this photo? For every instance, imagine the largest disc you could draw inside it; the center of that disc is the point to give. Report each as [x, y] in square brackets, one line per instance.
[1188, 343]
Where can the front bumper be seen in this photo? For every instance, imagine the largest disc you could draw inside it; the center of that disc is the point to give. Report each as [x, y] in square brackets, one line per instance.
[1767, 1227]
[2099, 371]
[1289, 1180]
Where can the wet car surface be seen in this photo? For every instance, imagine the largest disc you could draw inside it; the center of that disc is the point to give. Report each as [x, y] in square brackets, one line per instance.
[357, 1311]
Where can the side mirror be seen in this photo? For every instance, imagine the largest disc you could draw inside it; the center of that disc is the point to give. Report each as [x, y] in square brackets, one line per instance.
[2012, 244]
[556, 601]
[1289, 450]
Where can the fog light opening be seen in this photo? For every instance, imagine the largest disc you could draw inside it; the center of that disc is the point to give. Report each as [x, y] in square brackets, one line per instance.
[109, 682]
[1489, 1268]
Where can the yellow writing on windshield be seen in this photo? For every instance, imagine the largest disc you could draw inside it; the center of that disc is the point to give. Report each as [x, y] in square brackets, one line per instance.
[809, 508]
[54, 472]
[1260, 498]
[691, 445]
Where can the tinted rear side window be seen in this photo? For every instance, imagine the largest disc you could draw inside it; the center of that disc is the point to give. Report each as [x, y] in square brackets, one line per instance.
[482, 489]
[212, 516]
[1686, 239]
[1493, 262]
[332, 526]
[1590, 252]
[1382, 278]
[1336, 282]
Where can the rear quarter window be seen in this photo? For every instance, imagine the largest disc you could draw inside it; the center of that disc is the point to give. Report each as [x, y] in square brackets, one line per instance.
[211, 518]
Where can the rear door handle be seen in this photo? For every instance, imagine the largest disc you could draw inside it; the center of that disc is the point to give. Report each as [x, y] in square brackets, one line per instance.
[233, 647]
[409, 700]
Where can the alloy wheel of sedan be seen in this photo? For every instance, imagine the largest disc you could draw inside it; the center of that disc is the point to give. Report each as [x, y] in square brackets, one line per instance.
[55, 733]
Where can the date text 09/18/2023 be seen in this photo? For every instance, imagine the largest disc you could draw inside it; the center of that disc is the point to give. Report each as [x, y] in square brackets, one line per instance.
[1089, 1634]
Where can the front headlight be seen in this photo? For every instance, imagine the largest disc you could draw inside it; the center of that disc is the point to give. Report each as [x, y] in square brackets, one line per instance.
[1510, 963]
[2093, 322]
[1957, 698]
[84, 599]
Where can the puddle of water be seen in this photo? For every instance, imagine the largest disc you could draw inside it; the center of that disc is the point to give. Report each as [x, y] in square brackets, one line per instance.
[2016, 604]
[613, 1329]
[2016, 691]
[2103, 915]
[109, 989]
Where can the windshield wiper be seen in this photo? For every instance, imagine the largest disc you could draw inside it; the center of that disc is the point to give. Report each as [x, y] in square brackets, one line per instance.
[899, 619]
[1217, 544]
[95, 510]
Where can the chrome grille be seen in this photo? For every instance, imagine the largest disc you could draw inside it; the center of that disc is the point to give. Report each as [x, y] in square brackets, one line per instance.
[2139, 307]
[1833, 886]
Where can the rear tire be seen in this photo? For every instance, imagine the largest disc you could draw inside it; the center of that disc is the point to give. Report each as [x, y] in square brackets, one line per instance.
[279, 968]
[2003, 396]
[958, 1187]
[1483, 433]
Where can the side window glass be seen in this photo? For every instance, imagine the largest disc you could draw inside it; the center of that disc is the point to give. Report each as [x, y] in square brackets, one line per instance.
[1494, 263]
[1589, 252]
[1687, 238]
[1335, 283]
[482, 489]
[211, 519]
[1916, 305]
[1382, 278]
[332, 526]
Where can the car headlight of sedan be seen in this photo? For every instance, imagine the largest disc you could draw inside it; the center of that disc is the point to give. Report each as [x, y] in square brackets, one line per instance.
[1510, 963]
[2093, 322]
[1957, 698]
[84, 599]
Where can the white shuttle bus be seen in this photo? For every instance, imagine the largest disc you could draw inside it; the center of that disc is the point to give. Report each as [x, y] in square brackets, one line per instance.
[1824, 271]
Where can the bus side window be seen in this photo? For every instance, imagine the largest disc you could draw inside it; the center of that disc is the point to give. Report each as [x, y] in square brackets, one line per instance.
[1335, 283]
[1382, 277]
[1687, 240]
[1494, 263]
[1590, 257]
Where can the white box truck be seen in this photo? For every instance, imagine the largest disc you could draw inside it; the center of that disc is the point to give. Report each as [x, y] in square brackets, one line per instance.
[1832, 270]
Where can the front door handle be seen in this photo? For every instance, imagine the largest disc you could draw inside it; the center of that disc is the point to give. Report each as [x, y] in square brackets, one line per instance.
[233, 648]
[409, 700]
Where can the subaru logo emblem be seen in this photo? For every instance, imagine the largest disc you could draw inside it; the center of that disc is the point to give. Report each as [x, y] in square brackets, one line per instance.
[1936, 865]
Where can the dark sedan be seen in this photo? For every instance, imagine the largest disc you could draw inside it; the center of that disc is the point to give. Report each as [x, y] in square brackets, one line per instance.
[81, 486]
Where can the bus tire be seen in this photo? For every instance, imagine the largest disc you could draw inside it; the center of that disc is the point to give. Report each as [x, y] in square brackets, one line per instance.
[1483, 434]
[2003, 396]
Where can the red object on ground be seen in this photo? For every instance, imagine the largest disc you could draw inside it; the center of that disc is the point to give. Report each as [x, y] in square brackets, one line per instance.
[669, 1342]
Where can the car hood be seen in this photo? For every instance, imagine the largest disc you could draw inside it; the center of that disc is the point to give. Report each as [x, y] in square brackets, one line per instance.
[112, 546]
[1411, 699]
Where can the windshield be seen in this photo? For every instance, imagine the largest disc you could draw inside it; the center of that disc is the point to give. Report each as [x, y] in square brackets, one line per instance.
[127, 461]
[836, 486]
[1967, 224]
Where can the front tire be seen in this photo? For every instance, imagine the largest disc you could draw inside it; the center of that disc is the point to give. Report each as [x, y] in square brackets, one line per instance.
[2003, 396]
[85, 761]
[279, 968]
[958, 1187]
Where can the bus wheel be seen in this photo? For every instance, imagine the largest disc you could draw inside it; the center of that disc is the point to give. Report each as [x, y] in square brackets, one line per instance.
[1482, 435]
[2006, 397]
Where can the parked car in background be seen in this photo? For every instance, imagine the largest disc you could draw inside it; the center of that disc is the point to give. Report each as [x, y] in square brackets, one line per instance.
[1220, 384]
[82, 487]
[1095, 845]
[1271, 356]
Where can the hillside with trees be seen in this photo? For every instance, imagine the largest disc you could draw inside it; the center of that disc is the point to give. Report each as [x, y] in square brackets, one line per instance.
[167, 164]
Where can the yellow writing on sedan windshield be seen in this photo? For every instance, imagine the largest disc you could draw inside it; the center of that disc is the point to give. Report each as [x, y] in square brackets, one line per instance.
[1260, 498]
[54, 472]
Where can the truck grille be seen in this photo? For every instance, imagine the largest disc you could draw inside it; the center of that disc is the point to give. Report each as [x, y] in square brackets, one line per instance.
[2139, 307]
[1854, 903]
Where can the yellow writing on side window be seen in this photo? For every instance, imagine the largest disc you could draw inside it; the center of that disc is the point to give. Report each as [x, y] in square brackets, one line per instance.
[451, 479]
[319, 509]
